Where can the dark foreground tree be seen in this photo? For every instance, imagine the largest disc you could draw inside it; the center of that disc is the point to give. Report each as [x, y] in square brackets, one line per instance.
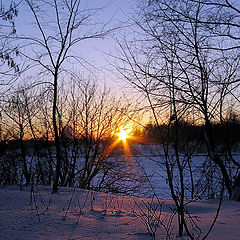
[184, 58]
[59, 26]
[188, 51]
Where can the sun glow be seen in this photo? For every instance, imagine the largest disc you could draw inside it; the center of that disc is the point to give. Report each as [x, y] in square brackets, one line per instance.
[123, 135]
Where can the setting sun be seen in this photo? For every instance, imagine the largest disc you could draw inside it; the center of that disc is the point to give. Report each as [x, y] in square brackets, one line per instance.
[122, 135]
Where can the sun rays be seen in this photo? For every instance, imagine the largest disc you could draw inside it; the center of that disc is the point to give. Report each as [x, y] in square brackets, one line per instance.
[124, 137]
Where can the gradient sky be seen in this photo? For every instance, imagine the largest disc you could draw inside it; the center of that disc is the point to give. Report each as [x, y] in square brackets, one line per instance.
[116, 12]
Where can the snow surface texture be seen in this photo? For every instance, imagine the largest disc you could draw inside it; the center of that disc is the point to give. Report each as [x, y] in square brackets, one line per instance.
[82, 214]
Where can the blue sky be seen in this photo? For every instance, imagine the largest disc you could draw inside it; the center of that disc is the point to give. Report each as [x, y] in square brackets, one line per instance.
[115, 13]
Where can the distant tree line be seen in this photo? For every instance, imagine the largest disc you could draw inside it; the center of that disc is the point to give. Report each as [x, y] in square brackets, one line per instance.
[227, 132]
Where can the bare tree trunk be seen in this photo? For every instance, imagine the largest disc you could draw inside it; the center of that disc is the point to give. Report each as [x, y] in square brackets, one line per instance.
[214, 156]
[236, 189]
[26, 173]
[56, 138]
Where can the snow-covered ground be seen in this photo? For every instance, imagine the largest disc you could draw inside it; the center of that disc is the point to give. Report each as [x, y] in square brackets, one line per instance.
[82, 214]
[150, 160]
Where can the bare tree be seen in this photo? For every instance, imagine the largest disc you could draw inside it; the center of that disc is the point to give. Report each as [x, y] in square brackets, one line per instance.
[60, 25]
[182, 65]
[15, 110]
[204, 58]
[94, 118]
